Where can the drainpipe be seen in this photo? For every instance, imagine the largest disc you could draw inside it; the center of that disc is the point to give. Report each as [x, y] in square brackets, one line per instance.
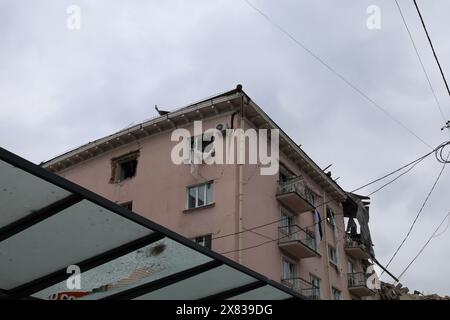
[241, 184]
[326, 245]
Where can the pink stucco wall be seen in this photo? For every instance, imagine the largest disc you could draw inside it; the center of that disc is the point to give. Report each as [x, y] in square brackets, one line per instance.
[158, 192]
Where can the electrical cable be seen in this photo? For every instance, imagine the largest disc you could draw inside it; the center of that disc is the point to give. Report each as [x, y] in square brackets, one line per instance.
[421, 62]
[417, 216]
[432, 47]
[424, 246]
[335, 72]
[354, 190]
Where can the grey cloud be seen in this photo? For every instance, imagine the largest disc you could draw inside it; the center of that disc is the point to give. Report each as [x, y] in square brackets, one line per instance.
[62, 88]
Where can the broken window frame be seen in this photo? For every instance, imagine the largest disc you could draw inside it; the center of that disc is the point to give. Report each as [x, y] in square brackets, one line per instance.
[128, 205]
[205, 141]
[204, 240]
[117, 169]
[336, 293]
[331, 217]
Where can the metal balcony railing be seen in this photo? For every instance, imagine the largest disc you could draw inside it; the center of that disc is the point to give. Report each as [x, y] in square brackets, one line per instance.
[303, 287]
[357, 279]
[297, 185]
[351, 242]
[355, 247]
[296, 233]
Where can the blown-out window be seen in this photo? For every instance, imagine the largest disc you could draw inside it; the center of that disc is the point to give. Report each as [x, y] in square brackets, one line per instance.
[124, 167]
[204, 240]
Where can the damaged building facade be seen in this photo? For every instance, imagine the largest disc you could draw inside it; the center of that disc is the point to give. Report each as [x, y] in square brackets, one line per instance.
[298, 227]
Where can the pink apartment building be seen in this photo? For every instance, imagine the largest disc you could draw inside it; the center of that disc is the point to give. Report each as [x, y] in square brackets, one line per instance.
[311, 235]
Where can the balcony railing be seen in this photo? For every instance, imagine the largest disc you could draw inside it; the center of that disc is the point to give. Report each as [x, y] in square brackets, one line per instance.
[356, 248]
[297, 241]
[303, 287]
[357, 284]
[295, 195]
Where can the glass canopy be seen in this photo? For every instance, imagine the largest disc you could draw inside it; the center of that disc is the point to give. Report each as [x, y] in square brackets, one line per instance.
[48, 224]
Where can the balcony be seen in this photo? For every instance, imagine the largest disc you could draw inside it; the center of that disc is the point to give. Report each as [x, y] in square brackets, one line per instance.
[297, 242]
[303, 287]
[355, 248]
[295, 195]
[357, 284]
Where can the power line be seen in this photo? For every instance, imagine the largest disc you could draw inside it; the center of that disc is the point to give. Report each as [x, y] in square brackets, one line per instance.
[335, 72]
[417, 216]
[414, 162]
[424, 246]
[396, 178]
[290, 234]
[421, 63]
[445, 229]
[432, 47]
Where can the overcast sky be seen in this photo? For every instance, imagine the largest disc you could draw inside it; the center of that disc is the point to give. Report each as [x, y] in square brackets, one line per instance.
[60, 88]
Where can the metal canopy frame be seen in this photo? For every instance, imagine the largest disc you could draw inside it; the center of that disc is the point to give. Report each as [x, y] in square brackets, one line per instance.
[79, 194]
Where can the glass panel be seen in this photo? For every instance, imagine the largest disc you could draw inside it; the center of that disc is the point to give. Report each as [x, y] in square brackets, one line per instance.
[209, 193]
[203, 285]
[192, 195]
[292, 270]
[73, 235]
[350, 267]
[201, 195]
[286, 270]
[24, 193]
[144, 265]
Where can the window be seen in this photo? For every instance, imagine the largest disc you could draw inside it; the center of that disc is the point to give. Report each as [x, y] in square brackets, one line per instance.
[202, 143]
[350, 267]
[336, 294]
[204, 241]
[316, 282]
[128, 205]
[284, 173]
[200, 195]
[330, 217]
[287, 222]
[289, 270]
[332, 255]
[124, 167]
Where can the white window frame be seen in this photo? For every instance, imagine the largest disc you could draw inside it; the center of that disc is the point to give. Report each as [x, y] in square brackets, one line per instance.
[197, 187]
[350, 266]
[313, 277]
[291, 263]
[333, 261]
[335, 291]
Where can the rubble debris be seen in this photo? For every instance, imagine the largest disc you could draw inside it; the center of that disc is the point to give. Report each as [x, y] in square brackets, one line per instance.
[398, 292]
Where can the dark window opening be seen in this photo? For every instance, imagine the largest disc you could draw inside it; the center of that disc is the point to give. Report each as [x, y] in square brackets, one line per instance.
[127, 169]
[204, 241]
[330, 217]
[124, 168]
[206, 146]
